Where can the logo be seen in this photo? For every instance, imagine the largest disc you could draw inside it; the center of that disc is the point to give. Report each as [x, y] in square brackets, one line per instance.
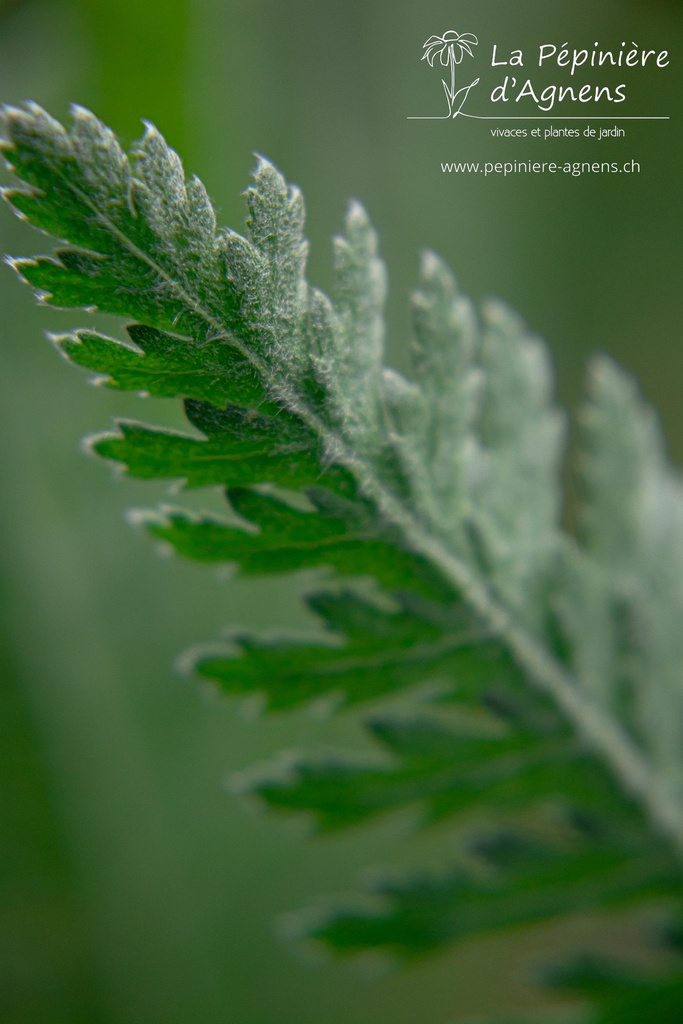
[450, 49]
[580, 88]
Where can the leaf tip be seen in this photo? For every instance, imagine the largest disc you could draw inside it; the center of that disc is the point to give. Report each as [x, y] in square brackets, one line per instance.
[359, 229]
[266, 175]
[81, 113]
[142, 518]
[299, 928]
[62, 342]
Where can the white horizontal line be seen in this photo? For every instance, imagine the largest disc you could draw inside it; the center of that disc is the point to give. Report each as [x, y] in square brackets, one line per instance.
[546, 117]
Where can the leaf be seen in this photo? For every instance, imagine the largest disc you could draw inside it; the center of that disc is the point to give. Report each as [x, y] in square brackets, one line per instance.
[366, 652]
[447, 766]
[536, 673]
[509, 877]
[272, 536]
[239, 447]
[631, 584]
[349, 361]
[623, 996]
[162, 364]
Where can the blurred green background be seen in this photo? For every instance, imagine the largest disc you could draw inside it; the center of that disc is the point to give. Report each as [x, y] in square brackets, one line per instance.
[132, 888]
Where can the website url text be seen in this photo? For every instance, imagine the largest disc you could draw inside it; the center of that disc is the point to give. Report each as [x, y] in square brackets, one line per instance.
[574, 168]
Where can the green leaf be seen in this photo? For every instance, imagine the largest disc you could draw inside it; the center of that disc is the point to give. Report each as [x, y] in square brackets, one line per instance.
[623, 996]
[538, 672]
[367, 651]
[142, 241]
[240, 447]
[163, 364]
[444, 766]
[272, 536]
[508, 876]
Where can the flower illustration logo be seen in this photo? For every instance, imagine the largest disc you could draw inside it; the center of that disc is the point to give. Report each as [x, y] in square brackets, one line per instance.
[450, 49]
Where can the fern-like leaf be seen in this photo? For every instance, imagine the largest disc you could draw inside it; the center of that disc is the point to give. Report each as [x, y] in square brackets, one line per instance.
[549, 723]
